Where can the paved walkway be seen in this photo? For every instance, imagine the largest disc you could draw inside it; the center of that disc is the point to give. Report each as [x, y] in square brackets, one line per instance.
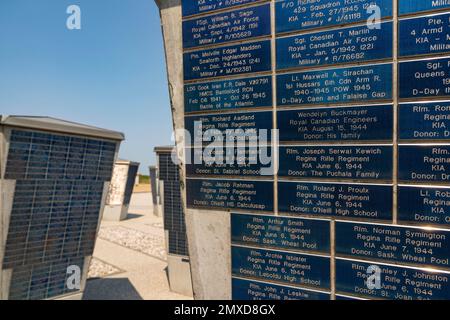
[130, 259]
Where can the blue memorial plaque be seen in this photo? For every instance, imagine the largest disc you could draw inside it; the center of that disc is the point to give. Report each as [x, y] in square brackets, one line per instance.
[424, 79]
[355, 44]
[424, 163]
[336, 124]
[354, 84]
[293, 15]
[230, 194]
[229, 26]
[280, 232]
[255, 290]
[191, 7]
[227, 61]
[337, 162]
[424, 205]
[426, 247]
[229, 94]
[282, 267]
[253, 161]
[424, 121]
[397, 283]
[245, 126]
[366, 201]
[424, 35]
[416, 6]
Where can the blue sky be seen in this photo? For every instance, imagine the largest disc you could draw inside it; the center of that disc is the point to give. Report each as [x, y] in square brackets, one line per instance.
[110, 74]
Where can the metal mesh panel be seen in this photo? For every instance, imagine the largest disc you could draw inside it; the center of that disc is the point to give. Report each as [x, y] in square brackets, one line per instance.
[56, 207]
[43, 280]
[173, 208]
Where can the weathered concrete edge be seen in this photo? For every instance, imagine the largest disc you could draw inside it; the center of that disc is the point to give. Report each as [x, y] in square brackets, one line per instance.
[208, 232]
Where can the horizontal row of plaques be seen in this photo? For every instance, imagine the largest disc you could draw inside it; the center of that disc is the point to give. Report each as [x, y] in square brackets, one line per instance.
[417, 163]
[292, 15]
[424, 247]
[416, 121]
[396, 283]
[417, 36]
[305, 272]
[417, 80]
[371, 202]
[263, 270]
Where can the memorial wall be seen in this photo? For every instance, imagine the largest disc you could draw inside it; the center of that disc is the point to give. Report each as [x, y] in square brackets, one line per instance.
[360, 187]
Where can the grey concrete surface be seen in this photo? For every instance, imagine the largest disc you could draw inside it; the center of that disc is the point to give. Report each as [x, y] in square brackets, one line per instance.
[136, 248]
[208, 231]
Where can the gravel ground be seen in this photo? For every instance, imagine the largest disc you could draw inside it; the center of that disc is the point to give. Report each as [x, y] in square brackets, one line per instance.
[148, 244]
[100, 269]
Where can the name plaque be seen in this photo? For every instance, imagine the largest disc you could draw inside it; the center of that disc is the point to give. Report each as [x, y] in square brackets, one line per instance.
[293, 15]
[423, 163]
[416, 6]
[281, 233]
[191, 7]
[424, 79]
[353, 84]
[355, 44]
[230, 26]
[366, 201]
[424, 121]
[425, 35]
[255, 290]
[283, 267]
[337, 162]
[227, 61]
[230, 194]
[229, 94]
[408, 245]
[336, 124]
[240, 127]
[425, 205]
[397, 283]
[250, 161]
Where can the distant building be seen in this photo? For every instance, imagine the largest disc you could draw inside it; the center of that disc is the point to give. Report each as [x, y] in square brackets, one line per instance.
[54, 180]
[120, 190]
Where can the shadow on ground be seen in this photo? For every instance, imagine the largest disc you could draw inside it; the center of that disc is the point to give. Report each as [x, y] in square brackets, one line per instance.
[110, 289]
[131, 216]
